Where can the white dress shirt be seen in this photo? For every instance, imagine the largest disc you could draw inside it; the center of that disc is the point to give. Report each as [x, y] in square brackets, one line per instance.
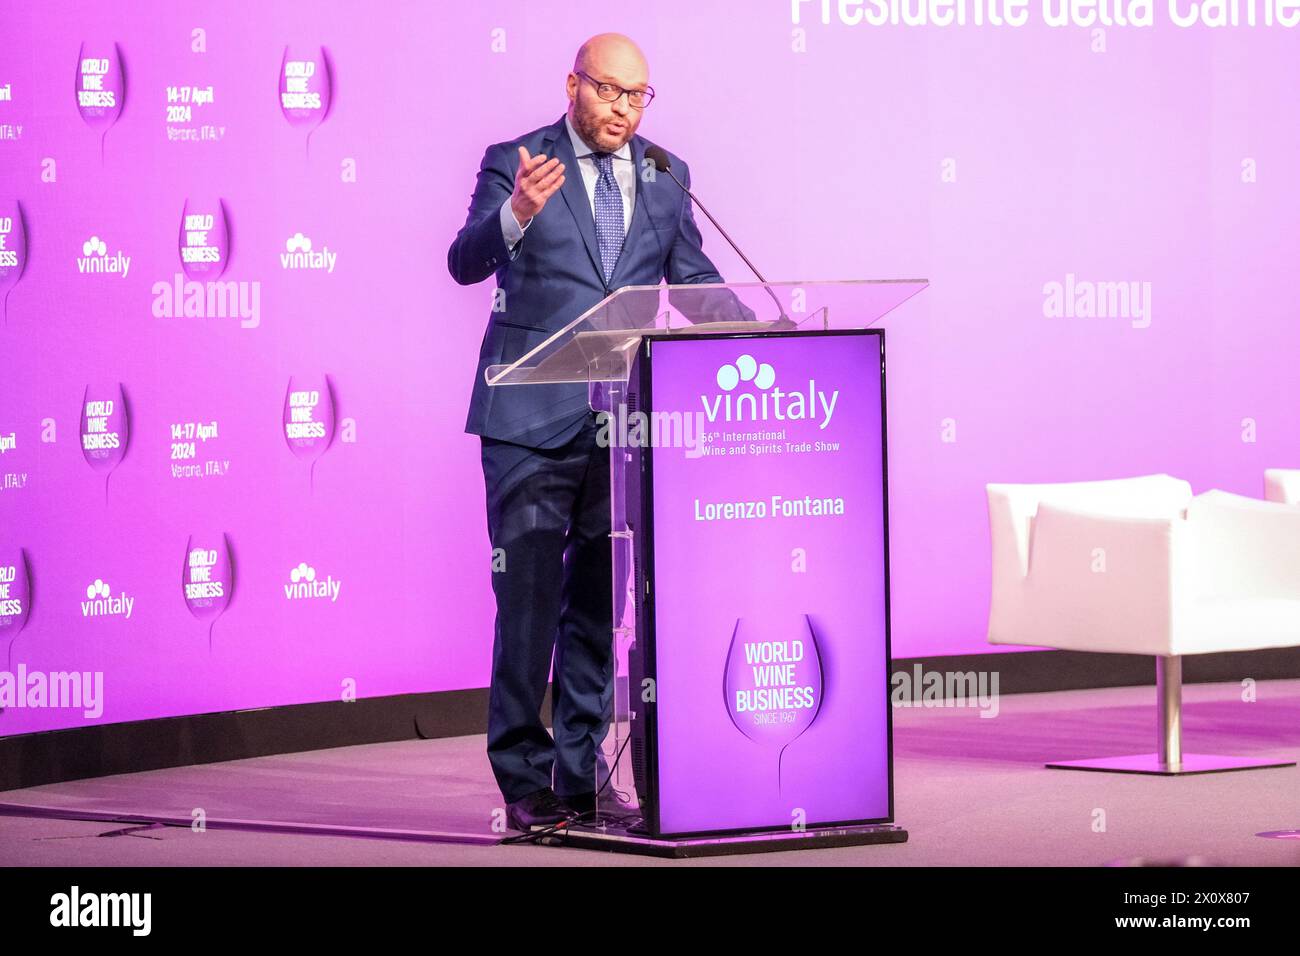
[624, 174]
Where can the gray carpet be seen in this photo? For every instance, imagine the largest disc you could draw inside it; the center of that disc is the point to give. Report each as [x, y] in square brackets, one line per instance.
[971, 791]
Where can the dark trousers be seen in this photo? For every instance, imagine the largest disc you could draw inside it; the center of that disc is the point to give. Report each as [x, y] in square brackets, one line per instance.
[548, 521]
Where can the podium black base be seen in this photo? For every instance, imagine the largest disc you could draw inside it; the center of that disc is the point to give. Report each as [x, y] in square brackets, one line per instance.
[617, 839]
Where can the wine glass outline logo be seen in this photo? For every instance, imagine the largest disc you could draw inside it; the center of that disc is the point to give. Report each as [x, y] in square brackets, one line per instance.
[741, 676]
[221, 571]
[217, 238]
[111, 81]
[309, 76]
[15, 244]
[15, 572]
[297, 414]
[114, 420]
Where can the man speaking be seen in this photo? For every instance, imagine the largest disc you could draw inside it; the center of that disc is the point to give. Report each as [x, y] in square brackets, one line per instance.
[562, 217]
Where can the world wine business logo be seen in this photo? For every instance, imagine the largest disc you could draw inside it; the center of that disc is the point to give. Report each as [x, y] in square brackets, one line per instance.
[100, 87]
[308, 419]
[105, 429]
[13, 249]
[197, 290]
[772, 680]
[306, 89]
[15, 594]
[207, 578]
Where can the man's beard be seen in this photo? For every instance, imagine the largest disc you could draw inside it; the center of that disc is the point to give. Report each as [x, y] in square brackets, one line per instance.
[592, 130]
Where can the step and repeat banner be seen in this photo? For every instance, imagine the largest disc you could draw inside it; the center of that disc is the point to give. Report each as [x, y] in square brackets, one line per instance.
[234, 369]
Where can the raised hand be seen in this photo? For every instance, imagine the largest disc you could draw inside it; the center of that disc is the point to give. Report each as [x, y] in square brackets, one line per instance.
[535, 181]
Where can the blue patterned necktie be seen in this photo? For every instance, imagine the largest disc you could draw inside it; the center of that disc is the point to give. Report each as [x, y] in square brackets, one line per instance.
[609, 237]
[609, 213]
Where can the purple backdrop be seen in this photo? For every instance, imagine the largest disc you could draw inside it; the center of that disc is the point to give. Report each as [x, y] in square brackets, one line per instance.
[1017, 168]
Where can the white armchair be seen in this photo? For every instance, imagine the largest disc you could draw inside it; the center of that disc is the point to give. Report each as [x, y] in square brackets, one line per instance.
[1140, 566]
[1283, 485]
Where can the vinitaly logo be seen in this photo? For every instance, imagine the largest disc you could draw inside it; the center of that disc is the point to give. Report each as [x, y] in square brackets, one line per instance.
[765, 401]
[304, 583]
[95, 260]
[298, 254]
[101, 602]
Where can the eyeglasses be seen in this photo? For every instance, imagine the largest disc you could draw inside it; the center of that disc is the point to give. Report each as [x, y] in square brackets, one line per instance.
[609, 92]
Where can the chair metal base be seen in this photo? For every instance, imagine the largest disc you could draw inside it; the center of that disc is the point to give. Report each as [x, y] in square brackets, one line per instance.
[1169, 759]
[1152, 764]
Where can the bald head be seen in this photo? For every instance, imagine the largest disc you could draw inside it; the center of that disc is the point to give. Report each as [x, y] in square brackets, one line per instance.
[612, 51]
[610, 58]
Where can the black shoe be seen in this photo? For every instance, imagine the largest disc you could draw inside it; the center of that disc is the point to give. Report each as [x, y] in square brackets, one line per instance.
[581, 802]
[541, 808]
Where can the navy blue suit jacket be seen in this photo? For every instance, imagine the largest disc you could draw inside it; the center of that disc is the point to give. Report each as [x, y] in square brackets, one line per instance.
[554, 275]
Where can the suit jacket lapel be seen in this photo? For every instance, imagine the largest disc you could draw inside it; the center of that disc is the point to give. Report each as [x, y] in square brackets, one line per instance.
[575, 193]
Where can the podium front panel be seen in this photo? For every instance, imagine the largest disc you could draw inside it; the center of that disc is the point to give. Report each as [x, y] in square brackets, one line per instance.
[760, 670]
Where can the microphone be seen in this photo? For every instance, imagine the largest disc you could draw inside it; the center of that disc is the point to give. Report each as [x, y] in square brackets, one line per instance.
[658, 156]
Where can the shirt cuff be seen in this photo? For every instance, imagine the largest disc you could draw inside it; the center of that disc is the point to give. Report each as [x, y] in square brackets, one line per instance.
[511, 231]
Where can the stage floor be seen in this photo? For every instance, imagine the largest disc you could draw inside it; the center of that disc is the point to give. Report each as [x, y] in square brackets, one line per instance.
[970, 790]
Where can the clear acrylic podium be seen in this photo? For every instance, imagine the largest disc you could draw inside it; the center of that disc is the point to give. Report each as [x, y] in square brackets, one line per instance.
[599, 348]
